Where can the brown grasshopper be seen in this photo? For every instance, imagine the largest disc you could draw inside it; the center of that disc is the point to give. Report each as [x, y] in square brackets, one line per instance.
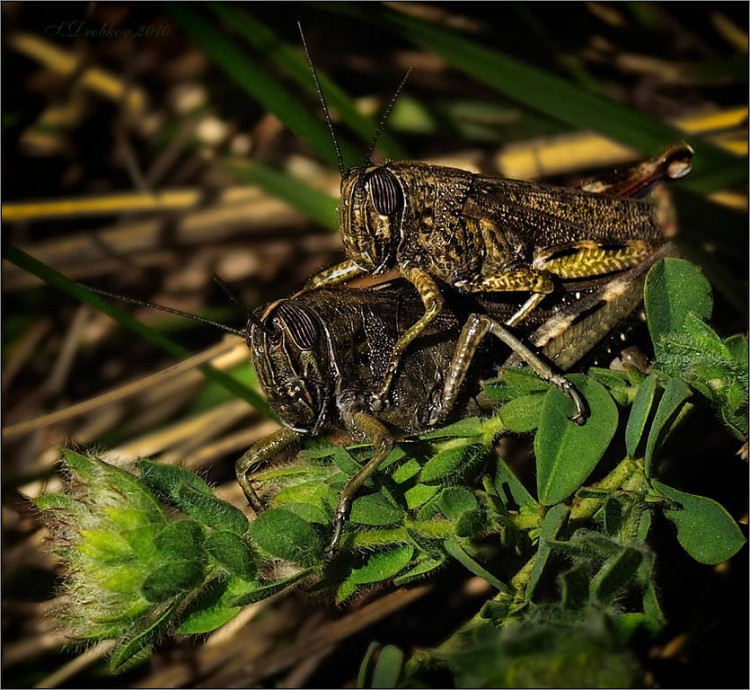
[487, 234]
[319, 354]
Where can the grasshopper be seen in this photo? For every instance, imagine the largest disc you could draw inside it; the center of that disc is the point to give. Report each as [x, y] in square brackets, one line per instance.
[319, 354]
[486, 234]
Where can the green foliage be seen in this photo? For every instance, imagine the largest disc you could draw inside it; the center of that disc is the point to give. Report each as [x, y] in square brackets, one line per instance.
[678, 300]
[545, 649]
[566, 452]
[704, 528]
[159, 552]
[142, 559]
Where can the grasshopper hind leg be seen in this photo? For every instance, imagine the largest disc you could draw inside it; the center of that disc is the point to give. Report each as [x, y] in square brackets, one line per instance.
[473, 333]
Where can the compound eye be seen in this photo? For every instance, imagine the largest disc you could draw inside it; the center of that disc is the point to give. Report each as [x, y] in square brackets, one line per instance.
[299, 324]
[385, 192]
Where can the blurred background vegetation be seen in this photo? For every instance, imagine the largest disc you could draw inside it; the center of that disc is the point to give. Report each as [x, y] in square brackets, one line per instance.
[147, 147]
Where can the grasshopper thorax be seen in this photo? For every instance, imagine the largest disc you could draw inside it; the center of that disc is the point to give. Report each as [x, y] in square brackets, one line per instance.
[290, 352]
[371, 213]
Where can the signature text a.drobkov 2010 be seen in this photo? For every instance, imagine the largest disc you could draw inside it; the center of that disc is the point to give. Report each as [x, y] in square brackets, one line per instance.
[80, 28]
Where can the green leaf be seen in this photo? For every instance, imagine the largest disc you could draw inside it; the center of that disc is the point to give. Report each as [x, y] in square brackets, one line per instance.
[110, 488]
[233, 554]
[163, 479]
[704, 528]
[616, 574]
[574, 584]
[285, 535]
[404, 472]
[314, 493]
[567, 453]
[182, 539]
[251, 592]
[136, 647]
[378, 567]
[388, 668]
[209, 510]
[738, 348]
[471, 524]
[455, 501]
[675, 395]
[208, 610]
[614, 517]
[57, 502]
[470, 427]
[375, 510]
[454, 458]
[419, 494]
[457, 552]
[104, 546]
[207, 620]
[419, 571]
[674, 288]
[309, 513]
[511, 491]
[552, 524]
[171, 579]
[514, 383]
[522, 414]
[639, 413]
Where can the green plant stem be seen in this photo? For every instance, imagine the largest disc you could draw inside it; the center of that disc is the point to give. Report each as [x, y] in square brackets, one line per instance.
[521, 579]
[584, 508]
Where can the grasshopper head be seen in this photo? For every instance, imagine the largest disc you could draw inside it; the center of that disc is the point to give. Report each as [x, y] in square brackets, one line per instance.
[290, 354]
[372, 204]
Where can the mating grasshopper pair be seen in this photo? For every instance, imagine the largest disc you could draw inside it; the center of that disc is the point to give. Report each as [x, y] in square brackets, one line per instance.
[319, 354]
[487, 234]
[323, 355]
[332, 359]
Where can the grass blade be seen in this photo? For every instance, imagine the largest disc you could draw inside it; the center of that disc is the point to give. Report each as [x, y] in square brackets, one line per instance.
[79, 292]
[258, 82]
[267, 43]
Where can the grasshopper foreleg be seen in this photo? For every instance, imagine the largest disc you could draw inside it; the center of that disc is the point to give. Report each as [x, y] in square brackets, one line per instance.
[363, 424]
[433, 302]
[475, 329]
[259, 454]
[333, 275]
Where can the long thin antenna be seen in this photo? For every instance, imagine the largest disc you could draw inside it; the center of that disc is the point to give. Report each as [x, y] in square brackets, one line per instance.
[168, 310]
[383, 119]
[323, 104]
[235, 298]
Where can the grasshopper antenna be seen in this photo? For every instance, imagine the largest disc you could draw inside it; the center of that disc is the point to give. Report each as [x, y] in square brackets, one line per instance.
[384, 118]
[236, 300]
[323, 104]
[168, 310]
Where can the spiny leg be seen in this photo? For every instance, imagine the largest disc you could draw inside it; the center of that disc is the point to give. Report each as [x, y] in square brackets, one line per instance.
[364, 424]
[433, 302]
[589, 259]
[259, 454]
[475, 329]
